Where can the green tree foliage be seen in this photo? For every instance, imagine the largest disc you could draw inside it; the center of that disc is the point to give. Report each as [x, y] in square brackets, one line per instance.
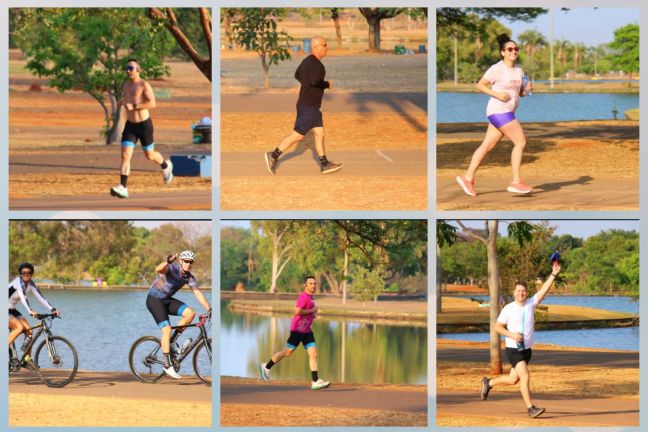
[626, 49]
[115, 251]
[366, 284]
[87, 48]
[373, 17]
[235, 265]
[256, 30]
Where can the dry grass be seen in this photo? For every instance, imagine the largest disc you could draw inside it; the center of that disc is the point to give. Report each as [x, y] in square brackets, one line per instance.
[324, 193]
[85, 411]
[279, 415]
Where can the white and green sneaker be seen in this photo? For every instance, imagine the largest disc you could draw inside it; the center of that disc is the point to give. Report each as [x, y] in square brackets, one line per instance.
[319, 384]
[167, 173]
[119, 191]
[265, 372]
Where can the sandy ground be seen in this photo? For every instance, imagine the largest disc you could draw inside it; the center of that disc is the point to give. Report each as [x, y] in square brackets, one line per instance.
[579, 387]
[244, 402]
[55, 147]
[103, 399]
[572, 165]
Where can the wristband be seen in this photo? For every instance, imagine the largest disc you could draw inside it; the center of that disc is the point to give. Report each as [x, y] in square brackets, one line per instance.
[554, 275]
[169, 260]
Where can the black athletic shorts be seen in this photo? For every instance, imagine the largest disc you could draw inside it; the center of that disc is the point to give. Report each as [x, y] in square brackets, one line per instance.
[515, 356]
[295, 338]
[307, 119]
[14, 312]
[162, 308]
[142, 131]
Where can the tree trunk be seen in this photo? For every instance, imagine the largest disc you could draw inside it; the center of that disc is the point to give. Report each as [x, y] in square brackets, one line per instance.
[116, 124]
[266, 72]
[439, 281]
[338, 31]
[374, 34]
[456, 61]
[345, 273]
[493, 286]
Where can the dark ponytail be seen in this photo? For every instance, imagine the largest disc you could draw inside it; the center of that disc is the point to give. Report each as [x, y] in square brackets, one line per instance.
[502, 40]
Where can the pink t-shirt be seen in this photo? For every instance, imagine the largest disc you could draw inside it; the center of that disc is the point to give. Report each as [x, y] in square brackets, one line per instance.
[303, 323]
[504, 79]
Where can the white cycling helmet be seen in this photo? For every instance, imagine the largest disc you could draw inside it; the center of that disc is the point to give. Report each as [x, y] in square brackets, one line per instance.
[187, 255]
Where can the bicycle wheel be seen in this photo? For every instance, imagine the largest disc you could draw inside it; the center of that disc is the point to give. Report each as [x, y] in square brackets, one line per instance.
[57, 361]
[202, 361]
[145, 359]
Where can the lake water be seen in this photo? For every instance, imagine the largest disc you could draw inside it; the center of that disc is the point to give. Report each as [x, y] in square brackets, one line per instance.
[626, 338]
[103, 325]
[348, 351]
[540, 107]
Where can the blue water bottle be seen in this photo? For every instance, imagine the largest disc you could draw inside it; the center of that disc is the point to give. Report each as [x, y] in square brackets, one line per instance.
[525, 81]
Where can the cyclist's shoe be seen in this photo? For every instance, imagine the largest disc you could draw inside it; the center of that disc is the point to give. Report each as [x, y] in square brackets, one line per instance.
[319, 384]
[29, 364]
[167, 173]
[171, 372]
[485, 388]
[330, 167]
[271, 163]
[265, 372]
[535, 411]
[119, 191]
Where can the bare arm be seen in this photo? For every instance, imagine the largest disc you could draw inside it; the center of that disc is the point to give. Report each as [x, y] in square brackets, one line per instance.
[545, 287]
[484, 86]
[501, 329]
[201, 298]
[148, 98]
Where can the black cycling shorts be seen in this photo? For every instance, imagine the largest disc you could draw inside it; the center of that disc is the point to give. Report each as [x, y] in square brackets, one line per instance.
[14, 312]
[307, 119]
[162, 308]
[295, 338]
[142, 131]
[515, 356]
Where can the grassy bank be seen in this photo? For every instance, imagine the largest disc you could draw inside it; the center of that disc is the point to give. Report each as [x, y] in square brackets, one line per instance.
[559, 87]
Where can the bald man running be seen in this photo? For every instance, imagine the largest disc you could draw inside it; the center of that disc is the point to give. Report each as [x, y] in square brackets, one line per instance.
[310, 75]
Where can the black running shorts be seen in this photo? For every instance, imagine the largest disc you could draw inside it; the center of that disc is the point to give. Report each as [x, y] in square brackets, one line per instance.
[162, 308]
[515, 356]
[142, 131]
[307, 119]
[295, 338]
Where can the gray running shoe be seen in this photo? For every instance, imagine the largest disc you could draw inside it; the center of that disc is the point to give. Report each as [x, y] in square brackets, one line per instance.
[330, 167]
[535, 411]
[119, 191]
[271, 163]
[167, 173]
[485, 388]
[265, 372]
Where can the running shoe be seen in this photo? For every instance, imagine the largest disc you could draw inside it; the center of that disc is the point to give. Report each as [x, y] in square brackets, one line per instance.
[519, 188]
[271, 163]
[167, 173]
[265, 372]
[119, 191]
[330, 167]
[171, 372]
[467, 185]
[320, 384]
[535, 411]
[485, 388]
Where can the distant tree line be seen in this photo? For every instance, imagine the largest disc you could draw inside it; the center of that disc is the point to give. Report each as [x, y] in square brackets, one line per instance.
[115, 251]
[366, 256]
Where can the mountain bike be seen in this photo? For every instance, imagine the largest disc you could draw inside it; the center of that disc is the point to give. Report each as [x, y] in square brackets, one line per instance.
[56, 359]
[146, 360]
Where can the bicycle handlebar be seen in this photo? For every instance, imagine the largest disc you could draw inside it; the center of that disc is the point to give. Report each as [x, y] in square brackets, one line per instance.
[45, 316]
[203, 319]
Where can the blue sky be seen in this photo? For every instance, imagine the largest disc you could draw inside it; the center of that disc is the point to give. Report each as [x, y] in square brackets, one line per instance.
[591, 26]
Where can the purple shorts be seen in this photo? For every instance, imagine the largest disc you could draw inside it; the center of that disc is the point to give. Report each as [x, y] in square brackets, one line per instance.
[500, 119]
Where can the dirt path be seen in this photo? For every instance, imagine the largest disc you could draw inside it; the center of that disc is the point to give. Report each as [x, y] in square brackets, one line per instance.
[387, 398]
[109, 399]
[506, 409]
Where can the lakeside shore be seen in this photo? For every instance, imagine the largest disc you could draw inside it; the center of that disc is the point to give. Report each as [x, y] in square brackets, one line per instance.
[560, 86]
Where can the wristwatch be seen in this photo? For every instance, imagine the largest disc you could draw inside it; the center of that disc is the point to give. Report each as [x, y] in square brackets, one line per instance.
[134, 106]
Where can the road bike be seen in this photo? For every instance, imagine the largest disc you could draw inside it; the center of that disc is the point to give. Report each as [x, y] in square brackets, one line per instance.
[56, 359]
[146, 360]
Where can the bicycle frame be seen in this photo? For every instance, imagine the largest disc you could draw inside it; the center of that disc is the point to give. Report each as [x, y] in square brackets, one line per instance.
[43, 328]
[203, 336]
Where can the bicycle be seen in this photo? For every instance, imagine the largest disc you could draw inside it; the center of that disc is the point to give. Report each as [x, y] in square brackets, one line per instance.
[146, 360]
[57, 365]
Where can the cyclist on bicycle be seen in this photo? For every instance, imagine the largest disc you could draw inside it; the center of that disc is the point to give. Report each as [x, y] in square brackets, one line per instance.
[18, 288]
[160, 302]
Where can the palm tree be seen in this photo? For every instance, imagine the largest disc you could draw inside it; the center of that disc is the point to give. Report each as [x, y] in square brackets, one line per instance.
[532, 41]
[579, 54]
[563, 50]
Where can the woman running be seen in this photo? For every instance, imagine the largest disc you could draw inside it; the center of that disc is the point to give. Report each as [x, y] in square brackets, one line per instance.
[503, 82]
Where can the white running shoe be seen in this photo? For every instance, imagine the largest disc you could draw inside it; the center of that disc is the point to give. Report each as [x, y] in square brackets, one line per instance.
[265, 372]
[320, 384]
[171, 372]
[119, 191]
[167, 173]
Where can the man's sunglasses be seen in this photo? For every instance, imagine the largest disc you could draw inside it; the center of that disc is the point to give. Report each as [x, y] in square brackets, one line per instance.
[26, 273]
[188, 261]
[130, 68]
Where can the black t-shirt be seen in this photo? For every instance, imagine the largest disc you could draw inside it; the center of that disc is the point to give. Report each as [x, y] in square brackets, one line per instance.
[310, 75]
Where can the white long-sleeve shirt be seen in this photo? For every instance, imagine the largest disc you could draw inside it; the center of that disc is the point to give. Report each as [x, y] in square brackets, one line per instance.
[18, 290]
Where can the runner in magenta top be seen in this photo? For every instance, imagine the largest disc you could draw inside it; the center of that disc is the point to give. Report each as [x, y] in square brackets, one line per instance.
[504, 83]
[300, 332]
[303, 323]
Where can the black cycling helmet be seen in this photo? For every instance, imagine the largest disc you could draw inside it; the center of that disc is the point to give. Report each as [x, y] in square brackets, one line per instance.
[28, 265]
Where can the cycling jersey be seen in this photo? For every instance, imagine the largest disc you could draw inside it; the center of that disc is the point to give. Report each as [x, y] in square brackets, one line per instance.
[18, 290]
[166, 285]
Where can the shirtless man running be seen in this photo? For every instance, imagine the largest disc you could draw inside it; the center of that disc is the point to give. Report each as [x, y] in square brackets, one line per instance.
[138, 99]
